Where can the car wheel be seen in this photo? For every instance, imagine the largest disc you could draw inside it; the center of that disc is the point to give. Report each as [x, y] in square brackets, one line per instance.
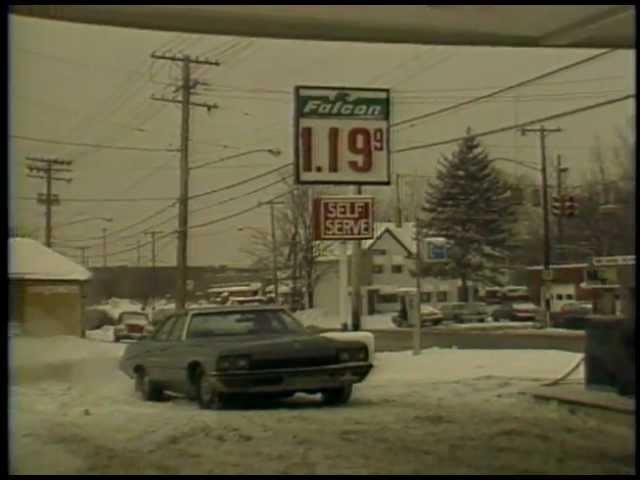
[337, 396]
[147, 388]
[207, 397]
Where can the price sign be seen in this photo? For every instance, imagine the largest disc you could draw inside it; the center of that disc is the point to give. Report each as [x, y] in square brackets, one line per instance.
[342, 136]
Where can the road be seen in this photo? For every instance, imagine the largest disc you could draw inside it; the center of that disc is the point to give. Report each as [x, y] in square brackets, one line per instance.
[396, 340]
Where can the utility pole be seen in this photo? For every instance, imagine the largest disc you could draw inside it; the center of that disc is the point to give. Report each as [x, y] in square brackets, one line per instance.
[138, 253]
[356, 294]
[560, 171]
[274, 246]
[83, 251]
[542, 131]
[183, 214]
[49, 199]
[153, 234]
[104, 246]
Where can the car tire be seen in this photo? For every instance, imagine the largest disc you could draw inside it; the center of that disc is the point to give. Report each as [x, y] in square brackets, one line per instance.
[147, 388]
[337, 396]
[206, 396]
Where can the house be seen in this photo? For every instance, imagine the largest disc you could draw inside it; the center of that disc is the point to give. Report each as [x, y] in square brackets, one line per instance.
[387, 265]
[567, 285]
[47, 291]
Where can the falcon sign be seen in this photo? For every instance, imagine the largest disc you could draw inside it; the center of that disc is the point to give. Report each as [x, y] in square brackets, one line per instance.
[343, 218]
[342, 135]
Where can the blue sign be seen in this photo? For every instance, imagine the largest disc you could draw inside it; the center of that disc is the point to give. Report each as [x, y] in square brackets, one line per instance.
[437, 252]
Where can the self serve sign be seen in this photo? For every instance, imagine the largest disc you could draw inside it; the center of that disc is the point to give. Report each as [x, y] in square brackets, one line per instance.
[343, 218]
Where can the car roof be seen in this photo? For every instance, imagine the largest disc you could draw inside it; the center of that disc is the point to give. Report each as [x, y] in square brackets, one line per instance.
[234, 308]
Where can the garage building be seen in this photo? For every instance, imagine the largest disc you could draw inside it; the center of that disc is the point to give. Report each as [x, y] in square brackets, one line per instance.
[46, 290]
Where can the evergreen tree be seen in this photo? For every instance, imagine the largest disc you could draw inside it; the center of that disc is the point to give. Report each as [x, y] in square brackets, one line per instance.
[470, 205]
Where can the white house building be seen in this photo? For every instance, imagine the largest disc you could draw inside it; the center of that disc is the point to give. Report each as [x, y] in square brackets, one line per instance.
[387, 265]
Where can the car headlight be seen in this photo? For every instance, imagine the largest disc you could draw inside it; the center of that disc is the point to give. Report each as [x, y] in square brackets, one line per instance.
[353, 355]
[233, 362]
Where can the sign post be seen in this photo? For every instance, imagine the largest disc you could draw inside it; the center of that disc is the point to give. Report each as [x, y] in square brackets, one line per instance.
[342, 137]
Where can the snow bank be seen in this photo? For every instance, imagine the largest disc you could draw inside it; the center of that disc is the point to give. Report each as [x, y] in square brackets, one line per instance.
[436, 364]
[317, 317]
[104, 334]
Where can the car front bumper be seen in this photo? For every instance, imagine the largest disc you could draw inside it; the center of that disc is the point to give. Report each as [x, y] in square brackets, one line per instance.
[312, 379]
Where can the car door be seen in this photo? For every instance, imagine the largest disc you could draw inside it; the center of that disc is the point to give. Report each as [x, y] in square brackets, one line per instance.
[155, 355]
[173, 355]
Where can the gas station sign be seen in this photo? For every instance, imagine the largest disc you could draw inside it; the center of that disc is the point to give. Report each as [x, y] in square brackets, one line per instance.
[343, 218]
[342, 135]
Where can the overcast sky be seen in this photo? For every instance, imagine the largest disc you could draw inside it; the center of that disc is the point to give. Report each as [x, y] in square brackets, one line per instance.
[92, 84]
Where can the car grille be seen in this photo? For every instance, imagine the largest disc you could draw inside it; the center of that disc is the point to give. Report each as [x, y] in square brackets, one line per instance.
[275, 363]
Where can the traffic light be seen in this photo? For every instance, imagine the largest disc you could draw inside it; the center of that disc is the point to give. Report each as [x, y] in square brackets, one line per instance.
[556, 205]
[570, 206]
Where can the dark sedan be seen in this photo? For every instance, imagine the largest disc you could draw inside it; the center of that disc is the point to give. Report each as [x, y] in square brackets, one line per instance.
[214, 354]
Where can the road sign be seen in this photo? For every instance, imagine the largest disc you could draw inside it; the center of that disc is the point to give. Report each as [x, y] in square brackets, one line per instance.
[343, 218]
[342, 135]
[547, 275]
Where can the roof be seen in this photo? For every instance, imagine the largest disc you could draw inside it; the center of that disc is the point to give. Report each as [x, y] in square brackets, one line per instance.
[558, 267]
[31, 260]
[569, 26]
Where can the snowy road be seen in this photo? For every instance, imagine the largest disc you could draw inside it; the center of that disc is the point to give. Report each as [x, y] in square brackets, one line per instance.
[447, 411]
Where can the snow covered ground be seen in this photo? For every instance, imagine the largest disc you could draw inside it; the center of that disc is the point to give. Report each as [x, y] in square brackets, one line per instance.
[445, 411]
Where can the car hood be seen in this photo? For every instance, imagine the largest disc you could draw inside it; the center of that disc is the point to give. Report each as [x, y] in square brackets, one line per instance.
[270, 346]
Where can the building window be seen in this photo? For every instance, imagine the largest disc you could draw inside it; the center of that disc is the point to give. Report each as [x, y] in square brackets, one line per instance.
[425, 297]
[378, 269]
[558, 296]
[569, 296]
[396, 268]
[441, 297]
[388, 298]
[379, 251]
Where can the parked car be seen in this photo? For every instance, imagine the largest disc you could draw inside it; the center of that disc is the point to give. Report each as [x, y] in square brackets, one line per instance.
[516, 312]
[461, 312]
[429, 316]
[211, 354]
[573, 315]
[131, 326]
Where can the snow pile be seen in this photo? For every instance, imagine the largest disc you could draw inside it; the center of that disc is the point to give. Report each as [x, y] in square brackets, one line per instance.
[30, 259]
[104, 334]
[436, 364]
[115, 306]
[34, 352]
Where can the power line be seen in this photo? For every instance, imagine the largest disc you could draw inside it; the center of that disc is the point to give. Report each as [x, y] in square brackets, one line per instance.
[519, 125]
[111, 199]
[505, 89]
[93, 145]
[242, 182]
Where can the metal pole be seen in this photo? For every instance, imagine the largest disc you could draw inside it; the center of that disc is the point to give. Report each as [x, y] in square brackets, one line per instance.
[546, 304]
[417, 328]
[274, 253]
[181, 291]
[559, 174]
[343, 285]
[138, 256]
[104, 246]
[398, 208]
[356, 294]
[48, 202]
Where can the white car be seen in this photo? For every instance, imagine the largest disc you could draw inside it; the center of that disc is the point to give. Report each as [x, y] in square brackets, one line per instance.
[130, 326]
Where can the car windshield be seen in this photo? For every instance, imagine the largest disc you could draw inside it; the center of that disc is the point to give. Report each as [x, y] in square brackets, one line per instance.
[250, 322]
[133, 316]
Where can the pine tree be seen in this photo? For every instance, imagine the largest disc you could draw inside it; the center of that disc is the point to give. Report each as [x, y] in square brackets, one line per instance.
[470, 205]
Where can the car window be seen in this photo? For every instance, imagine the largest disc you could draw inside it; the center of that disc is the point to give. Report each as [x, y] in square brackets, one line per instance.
[249, 322]
[163, 331]
[129, 316]
[178, 327]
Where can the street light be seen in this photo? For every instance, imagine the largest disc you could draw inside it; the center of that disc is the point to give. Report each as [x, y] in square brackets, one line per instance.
[275, 152]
